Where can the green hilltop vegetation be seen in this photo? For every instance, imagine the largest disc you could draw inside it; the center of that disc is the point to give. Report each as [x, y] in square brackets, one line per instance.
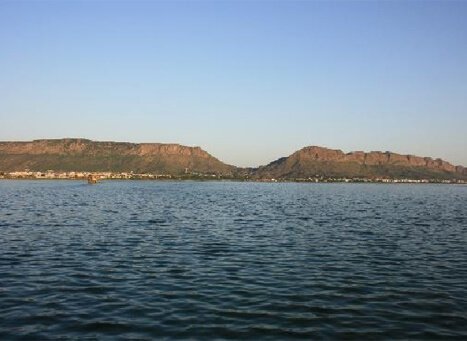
[67, 155]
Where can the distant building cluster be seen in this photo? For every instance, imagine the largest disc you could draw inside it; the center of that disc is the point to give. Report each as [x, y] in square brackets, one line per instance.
[366, 180]
[51, 174]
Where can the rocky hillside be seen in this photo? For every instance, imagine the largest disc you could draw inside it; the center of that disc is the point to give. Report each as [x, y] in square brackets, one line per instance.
[318, 161]
[86, 155]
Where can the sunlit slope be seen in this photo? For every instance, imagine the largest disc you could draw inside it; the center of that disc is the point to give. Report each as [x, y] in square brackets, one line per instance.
[86, 155]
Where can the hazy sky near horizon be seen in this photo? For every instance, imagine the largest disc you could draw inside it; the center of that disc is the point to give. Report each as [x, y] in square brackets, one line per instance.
[247, 81]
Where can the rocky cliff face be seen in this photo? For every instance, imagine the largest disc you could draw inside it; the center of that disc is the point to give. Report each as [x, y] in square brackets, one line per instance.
[86, 155]
[174, 159]
[80, 146]
[374, 158]
[314, 160]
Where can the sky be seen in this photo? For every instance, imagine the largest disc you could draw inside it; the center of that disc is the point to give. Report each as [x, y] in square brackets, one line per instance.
[248, 81]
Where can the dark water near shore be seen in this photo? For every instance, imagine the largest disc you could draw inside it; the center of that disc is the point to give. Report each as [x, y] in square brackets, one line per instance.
[148, 260]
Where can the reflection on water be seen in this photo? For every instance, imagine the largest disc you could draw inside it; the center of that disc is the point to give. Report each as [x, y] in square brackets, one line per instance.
[232, 260]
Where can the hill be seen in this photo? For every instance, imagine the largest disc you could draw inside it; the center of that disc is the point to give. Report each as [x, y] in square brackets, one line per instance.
[67, 155]
[318, 161]
[86, 155]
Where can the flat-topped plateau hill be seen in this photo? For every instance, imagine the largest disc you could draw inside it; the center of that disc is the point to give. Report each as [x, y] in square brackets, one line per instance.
[318, 161]
[68, 155]
[86, 155]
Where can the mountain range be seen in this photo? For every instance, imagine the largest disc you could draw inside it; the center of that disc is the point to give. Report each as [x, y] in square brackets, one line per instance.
[309, 162]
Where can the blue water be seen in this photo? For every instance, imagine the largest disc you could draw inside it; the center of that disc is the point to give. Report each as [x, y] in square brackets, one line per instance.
[203, 260]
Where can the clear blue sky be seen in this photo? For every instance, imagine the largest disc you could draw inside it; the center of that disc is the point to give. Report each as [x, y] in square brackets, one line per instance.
[247, 81]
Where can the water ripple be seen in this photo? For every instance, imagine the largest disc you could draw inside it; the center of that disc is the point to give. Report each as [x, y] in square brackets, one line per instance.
[165, 260]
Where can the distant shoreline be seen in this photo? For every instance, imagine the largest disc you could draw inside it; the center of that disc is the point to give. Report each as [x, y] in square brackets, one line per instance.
[365, 181]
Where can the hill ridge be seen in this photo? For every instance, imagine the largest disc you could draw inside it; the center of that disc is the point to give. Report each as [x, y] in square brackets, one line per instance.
[87, 155]
[316, 160]
[80, 154]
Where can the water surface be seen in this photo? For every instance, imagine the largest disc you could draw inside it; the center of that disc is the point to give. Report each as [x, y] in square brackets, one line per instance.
[146, 260]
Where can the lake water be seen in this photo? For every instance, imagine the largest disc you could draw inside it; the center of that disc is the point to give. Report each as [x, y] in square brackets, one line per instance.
[202, 260]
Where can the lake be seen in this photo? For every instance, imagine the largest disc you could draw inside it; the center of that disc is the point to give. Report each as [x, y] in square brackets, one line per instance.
[231, 260]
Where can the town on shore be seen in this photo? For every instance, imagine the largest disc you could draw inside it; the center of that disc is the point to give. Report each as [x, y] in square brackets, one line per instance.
[79, 175]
